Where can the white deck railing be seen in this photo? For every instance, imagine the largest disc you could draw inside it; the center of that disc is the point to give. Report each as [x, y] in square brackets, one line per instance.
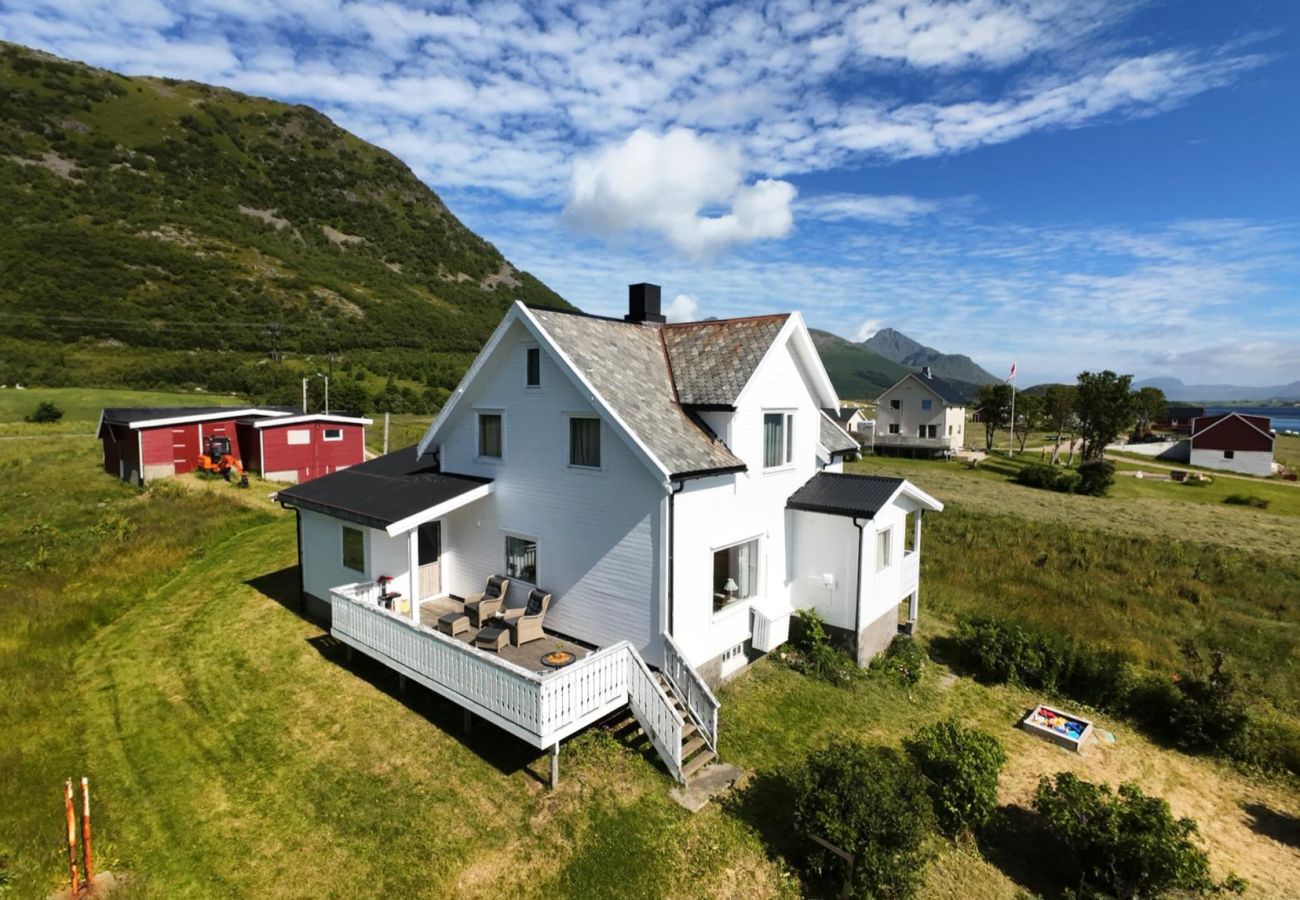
[911, 576]
[701, 703]
[541, 709]
[770, 632]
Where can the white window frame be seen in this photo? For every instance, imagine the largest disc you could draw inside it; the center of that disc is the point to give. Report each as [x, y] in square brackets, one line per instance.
[760, 572]
[787, 439]
[885, 540]
[478, 434]
[294, 437]
[506, 537]
[343, 548]
[600, 443]
[529, 350]
[325, 434]
[894, 428]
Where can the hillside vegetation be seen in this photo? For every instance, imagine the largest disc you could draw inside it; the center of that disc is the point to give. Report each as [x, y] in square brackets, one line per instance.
[165, 233]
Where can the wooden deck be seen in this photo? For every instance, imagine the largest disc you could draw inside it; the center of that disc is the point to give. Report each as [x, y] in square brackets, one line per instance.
[529, 656]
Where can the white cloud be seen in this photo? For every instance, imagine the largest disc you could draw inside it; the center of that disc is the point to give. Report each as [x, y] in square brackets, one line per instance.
[867, 329]
[683, 308]
[686, 188]
[887, 209]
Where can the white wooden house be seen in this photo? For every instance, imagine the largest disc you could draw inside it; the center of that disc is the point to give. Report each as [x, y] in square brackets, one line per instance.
[921, 412]
[677, 489]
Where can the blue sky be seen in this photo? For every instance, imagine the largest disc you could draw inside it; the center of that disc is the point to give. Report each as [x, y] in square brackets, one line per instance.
[1067, 183]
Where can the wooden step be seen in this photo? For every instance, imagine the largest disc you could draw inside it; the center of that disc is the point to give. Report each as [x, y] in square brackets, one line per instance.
[692, 745]
[699, 762]
[688, 729]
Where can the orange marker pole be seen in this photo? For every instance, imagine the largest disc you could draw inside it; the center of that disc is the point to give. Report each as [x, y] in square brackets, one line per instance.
[72, 835]
[87, 866]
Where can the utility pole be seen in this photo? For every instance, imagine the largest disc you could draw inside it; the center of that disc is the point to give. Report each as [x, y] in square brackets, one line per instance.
[304, 395]
[385, 434]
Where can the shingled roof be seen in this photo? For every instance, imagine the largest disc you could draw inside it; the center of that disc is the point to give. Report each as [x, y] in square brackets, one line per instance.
[628, 366]
[834, 438]
[713, 361]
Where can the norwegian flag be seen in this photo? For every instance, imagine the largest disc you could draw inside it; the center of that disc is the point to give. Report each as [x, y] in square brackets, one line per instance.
[1012, 376]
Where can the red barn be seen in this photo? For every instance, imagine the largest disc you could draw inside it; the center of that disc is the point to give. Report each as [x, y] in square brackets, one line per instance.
[302, 447]
[1233, 441]
[278, 443]
[141, 443]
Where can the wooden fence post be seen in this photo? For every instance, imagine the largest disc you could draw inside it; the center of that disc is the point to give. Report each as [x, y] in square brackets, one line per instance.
[87, 865]
[72, 836]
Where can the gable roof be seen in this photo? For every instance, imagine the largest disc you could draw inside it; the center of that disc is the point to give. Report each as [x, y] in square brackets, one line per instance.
[859, 496]
[937, 386]
[834, 438]
[711, 362]
[385, 490]
[626, 365]
[842, 414]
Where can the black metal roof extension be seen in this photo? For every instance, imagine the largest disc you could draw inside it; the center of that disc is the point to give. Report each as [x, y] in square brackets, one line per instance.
[382, 491]
[840, 494]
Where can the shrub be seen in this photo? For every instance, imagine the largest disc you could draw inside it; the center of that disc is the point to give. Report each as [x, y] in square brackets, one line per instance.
[869, 802]
[45, 413]
[1123, 844]
[1246, 500]
[961, 767]
[815, 655]
[905, 659]
[1209, 715]
[1052, 478]
[1096, 477]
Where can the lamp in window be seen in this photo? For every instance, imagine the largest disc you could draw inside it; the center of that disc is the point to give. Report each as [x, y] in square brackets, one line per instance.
[731, 587]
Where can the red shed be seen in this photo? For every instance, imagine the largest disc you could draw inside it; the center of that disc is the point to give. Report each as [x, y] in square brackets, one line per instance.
[303, 447]
[1233, 441]
[141, 443]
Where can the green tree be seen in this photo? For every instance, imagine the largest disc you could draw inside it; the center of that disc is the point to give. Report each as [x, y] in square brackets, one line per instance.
[1104, 405]
[1029, 416]
[347, 395]
[993, 403]
[1058, 412]
[45, 413]
[961, 767]
[1149, 405]
[869, 801]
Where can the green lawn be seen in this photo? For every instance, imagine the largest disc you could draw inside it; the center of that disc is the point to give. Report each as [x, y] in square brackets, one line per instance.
[148, 640]
[84, 404]
[403, 431]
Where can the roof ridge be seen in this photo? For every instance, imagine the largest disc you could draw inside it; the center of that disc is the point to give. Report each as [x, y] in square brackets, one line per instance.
[754, 318]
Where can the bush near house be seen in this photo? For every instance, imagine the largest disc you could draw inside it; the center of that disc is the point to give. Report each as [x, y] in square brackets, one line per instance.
[813, 653]
[904, 660]
[1125, 843]
[961, 767]
[868, 801]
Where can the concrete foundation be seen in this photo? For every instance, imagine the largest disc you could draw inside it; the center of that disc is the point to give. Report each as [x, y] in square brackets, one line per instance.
[875, 637]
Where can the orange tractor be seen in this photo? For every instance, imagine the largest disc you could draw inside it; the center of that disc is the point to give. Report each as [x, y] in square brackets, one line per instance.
[218, 460]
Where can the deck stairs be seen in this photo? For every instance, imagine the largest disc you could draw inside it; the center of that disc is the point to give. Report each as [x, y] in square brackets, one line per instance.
[696, 752]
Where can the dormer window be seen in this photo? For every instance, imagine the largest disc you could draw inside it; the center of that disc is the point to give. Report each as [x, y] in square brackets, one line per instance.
[778, 439]
[533, 367]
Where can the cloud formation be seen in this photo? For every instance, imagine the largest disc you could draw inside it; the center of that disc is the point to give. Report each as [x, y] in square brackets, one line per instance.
[892, 209]
[666, 183]
[683, 308]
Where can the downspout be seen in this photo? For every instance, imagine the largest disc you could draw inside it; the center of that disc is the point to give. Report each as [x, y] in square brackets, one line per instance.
[674, 489]
[857, 595]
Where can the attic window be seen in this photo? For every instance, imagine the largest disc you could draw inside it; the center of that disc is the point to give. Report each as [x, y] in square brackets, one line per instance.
[533, 357]
[927, 404]
[895, 404]
[778, 439]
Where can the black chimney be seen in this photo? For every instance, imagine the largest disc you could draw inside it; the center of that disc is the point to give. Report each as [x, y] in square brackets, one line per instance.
[643, 303]
[925, 371]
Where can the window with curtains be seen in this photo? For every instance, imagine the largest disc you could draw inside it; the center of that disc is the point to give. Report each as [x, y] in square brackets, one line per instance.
[735, 573]
[584, 442]
[489, 435]
[778, 439]
[533, 356]
[521, 559]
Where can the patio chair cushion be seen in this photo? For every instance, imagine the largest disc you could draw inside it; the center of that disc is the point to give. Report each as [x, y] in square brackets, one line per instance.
[493, 588]
[535, 598]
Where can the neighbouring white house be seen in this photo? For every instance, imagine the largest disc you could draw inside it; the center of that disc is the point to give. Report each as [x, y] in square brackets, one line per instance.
[1233, 442]
[851, 418]
[660, 497]
[921, 412]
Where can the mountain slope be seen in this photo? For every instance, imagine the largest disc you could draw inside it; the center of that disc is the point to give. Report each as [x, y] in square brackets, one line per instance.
[176, 216]
[856, 373]
[1175, 390]
[899, 348]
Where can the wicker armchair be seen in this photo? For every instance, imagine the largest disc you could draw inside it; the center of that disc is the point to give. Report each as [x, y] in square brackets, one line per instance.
[525, 622]
[481, 607]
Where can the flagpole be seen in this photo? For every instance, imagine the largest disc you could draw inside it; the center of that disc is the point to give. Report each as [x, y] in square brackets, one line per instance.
[1011, 443]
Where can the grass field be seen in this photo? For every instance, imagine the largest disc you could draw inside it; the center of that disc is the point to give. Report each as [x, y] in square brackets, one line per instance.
[84, 404]
[147, 640]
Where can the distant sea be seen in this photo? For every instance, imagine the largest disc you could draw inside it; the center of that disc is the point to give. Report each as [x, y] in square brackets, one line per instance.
[1285, 418]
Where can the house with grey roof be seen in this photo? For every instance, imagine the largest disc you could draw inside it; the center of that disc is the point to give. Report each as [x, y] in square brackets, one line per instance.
[920, 413]
[658, 498]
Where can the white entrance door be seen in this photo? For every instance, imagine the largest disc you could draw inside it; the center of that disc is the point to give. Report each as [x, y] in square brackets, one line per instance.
[430, 540]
